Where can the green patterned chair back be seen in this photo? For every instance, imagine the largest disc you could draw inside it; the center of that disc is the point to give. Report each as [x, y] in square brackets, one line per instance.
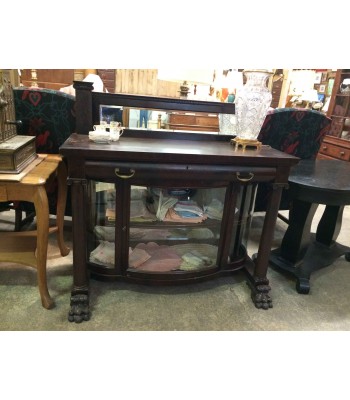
[46, 114]
[49, 115]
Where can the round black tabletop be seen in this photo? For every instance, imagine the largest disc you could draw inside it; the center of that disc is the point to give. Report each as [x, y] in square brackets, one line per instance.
[321, 181]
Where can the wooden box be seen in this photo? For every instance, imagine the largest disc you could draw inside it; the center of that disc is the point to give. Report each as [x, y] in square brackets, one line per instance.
[16, 153]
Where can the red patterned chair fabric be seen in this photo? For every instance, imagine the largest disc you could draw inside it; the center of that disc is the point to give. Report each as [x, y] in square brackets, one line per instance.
[294, 131]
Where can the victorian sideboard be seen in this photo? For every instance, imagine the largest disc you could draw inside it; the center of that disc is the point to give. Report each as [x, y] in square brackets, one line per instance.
[166, 207]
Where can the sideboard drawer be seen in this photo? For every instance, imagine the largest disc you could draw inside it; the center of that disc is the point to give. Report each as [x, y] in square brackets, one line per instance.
[332, 150]
[153, 173]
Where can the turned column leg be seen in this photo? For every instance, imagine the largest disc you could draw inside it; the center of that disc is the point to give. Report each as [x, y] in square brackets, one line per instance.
[79, 303]
[259, 282]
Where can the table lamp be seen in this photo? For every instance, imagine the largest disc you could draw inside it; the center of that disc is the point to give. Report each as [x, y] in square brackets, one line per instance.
[309, 96]
[301, 81]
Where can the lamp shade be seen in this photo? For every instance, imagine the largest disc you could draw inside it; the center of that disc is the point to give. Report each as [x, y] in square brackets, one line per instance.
[310, 95]
[301, 80]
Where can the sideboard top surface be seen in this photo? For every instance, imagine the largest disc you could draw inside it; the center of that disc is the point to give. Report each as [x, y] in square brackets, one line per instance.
[167, 150]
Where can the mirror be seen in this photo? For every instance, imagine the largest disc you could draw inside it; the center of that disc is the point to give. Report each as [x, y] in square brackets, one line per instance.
[147, 119]
[134, 118]
[140, 118]
[111, 113]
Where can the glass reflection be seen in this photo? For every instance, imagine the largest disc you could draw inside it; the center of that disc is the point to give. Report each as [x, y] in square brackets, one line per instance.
[152, 119]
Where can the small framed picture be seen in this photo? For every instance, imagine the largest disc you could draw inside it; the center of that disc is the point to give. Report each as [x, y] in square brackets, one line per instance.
[320, 97]
[318, 77]
[322, 88]
[324, 77]
[330, 86]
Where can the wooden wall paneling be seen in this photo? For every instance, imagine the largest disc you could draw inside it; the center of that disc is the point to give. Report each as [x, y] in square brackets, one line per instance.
[134, 81]
[143, 77]
[49, 78]
[153, 81]
[144, 82]
[124, 80]
[121, 81]
[168, 89]
[118, 81]
[129, 81]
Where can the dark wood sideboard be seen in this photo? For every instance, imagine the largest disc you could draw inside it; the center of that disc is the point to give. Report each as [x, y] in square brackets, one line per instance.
[108, 180]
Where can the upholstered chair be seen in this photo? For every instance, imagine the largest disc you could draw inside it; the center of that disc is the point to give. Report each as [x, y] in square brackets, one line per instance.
[294, 131]
[48, 115]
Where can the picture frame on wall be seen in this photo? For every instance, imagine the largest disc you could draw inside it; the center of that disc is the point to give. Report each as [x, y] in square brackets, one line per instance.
[324, 76]
[318, 77]
[330, 86]
[322, 88]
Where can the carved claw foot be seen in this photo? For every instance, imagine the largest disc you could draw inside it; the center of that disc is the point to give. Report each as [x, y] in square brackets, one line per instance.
[260, 293]
[79, 308]
[262, 300]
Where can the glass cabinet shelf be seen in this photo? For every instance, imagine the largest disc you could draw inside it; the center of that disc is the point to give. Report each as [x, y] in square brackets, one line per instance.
[168, 230]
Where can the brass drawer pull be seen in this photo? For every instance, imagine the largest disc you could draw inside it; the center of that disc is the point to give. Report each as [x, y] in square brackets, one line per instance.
[342, 153]
[324, 148]
[132, 173]
[238, 175]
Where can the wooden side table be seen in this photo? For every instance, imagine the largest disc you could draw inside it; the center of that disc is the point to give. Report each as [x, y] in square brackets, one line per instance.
[301, 252]
[30, 247]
